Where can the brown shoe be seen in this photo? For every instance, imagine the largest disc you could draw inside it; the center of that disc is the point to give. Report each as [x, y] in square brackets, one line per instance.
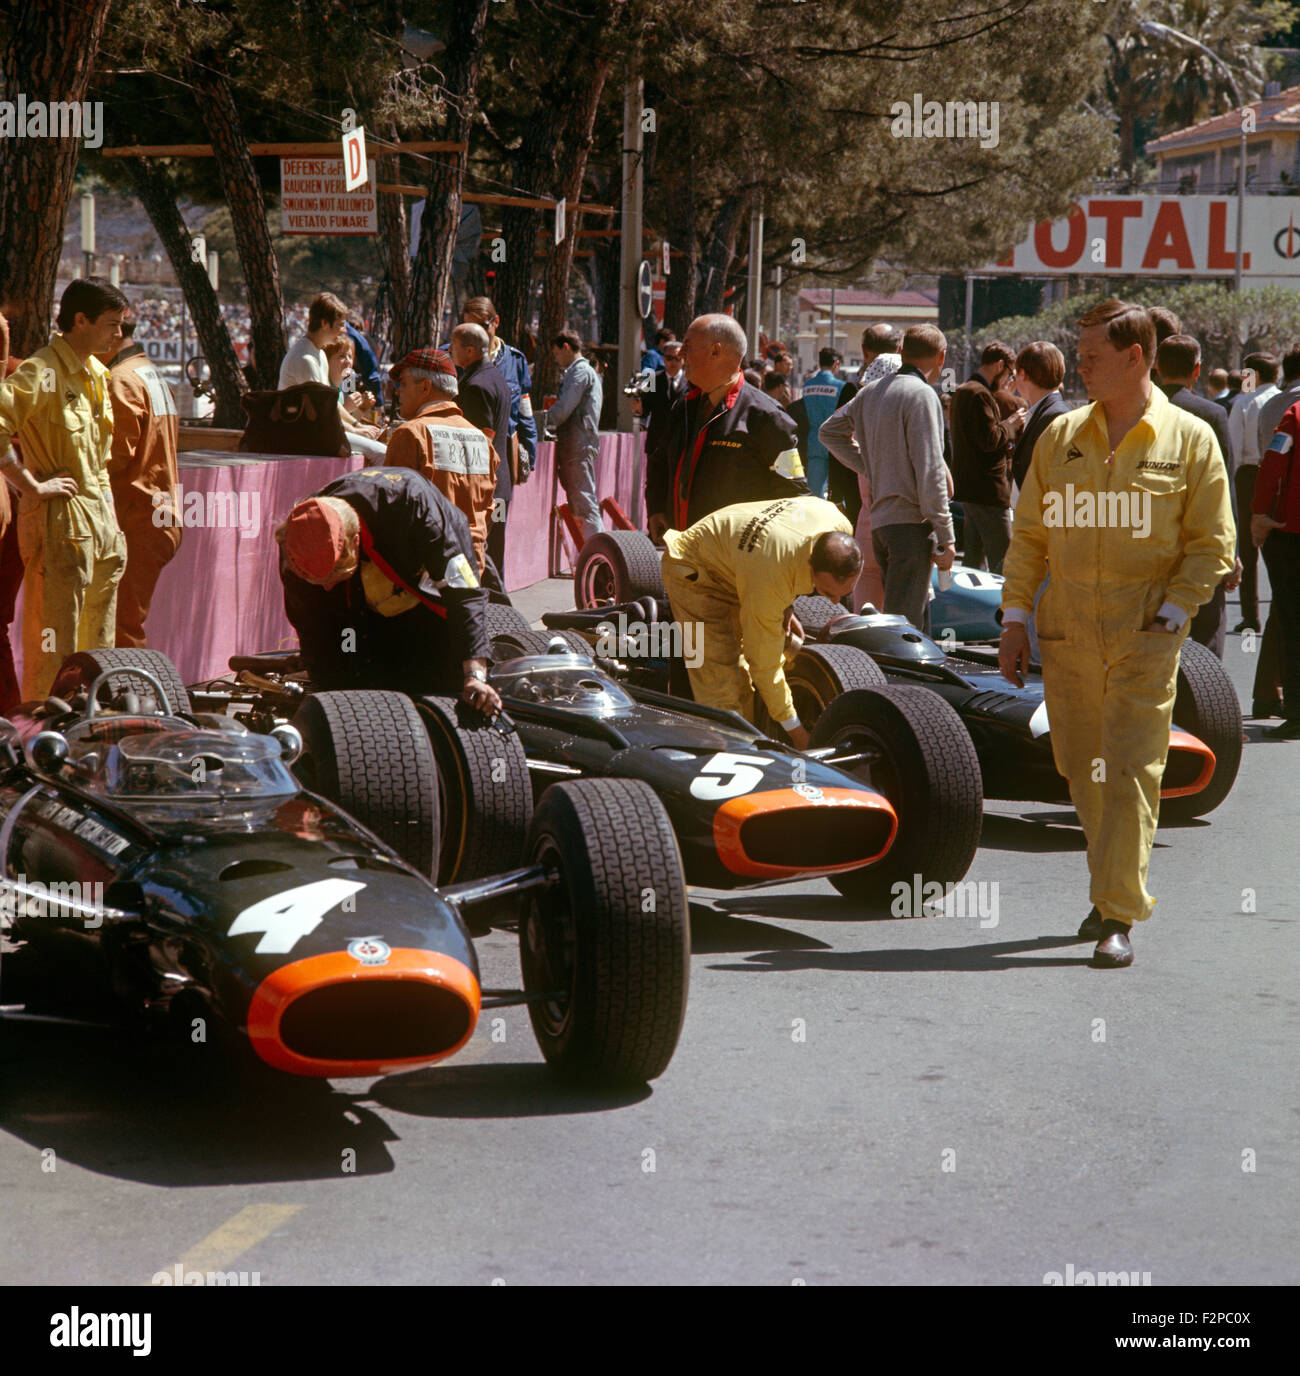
[1091, 928]
[1113, 951]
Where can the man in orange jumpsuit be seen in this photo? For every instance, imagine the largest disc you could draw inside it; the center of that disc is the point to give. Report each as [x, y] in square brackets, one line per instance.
[144, 478]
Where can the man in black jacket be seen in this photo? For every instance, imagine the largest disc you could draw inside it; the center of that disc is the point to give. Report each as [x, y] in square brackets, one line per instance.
[379, 583]
[656, 405]
[982, 442]
[1178, 365]
[726, 441]
[1040, 367]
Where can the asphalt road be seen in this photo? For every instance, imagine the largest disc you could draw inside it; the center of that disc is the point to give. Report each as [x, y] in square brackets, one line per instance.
[882, 1101]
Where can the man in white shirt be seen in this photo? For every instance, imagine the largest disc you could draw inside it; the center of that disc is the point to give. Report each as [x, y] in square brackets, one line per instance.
[1243, 434]
[306, 362]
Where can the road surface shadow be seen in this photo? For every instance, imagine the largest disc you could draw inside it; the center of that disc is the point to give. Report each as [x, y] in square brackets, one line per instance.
[981, 957]
[516, 1089]
[715, 931]
[138, 1108]
[802, 907]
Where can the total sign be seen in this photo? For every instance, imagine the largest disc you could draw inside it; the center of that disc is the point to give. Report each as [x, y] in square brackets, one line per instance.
[1164, 236]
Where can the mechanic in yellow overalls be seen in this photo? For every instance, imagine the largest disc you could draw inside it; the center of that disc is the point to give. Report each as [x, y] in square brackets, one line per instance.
[736, 574]
[73, 553]
[1127, 504]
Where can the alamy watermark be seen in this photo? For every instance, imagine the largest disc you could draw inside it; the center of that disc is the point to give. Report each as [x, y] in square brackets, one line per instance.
[953, 119]
[1084, 509]
[918, 897]
[240, 511]
[659, 640]
[56, 119]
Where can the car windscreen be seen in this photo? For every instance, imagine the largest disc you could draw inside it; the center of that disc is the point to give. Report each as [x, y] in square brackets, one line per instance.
[185, 766]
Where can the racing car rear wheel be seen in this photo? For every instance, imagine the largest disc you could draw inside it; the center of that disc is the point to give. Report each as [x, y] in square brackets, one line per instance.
[502, 619]
[81, 670]
[484, 790]
[1206, 705]
[608, 944]
[368, 752]
[815, 613]
[618, 566]
[517, 644]
[819, 675]
[921, 757]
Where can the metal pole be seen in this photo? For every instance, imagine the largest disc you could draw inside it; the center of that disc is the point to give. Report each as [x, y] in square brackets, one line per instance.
[754, 292]
[629, 314]
[831, 344]
[776, 305]
[1241, 207]
[970, 318]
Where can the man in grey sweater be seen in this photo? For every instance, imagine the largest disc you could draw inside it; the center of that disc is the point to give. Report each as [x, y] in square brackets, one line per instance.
[892, 433]
[575, 418]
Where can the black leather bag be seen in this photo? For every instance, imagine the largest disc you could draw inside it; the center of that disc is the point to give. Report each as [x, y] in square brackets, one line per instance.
[303, 419]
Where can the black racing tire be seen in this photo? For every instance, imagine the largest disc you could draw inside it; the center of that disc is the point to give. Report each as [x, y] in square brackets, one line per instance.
[81, 670]
[502, 618]
[368, 751]
[484, 790]
[927, 767]
[617, 566]
[517, 644]
[815, 612]
[819, 675]
[620, 973]
[1206, 705]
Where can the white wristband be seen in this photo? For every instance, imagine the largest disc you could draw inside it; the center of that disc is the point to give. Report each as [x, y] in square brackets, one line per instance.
[789, 724]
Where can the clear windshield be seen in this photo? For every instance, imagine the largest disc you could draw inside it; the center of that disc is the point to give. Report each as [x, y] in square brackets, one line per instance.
[187, 766]
[566, 681]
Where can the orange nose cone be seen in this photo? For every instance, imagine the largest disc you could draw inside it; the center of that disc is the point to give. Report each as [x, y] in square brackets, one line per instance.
[1185, 743]
[337, 1015]
[785, 832]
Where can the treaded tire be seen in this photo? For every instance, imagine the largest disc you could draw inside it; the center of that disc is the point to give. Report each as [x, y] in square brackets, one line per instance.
[517, 644]
[485, 793]
[368, 751]
[815, 612]
[81, 669]
[502, 619]
[1206, 705]
[819, 675]
[928, 770]
[617, 566]
[624, 971]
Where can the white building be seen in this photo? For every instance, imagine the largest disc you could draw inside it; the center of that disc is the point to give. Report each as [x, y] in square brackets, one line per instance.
[854, 311]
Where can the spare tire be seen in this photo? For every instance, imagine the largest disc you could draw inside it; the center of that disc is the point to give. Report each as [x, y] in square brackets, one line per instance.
[609, 944]
[484, 790]
[81, 670]
[517, 644]
[1208, 707]
[815, 612]
[615, 567]
[368, 752]
[501, 618]
[923, 760]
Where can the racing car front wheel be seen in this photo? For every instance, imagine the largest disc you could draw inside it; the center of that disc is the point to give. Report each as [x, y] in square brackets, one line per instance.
[819, 675]
[82, 669]
[617, 566]
[605, 949]
[915, 750]
[518, 644]
[483, 786]
[1206, 705]
[368, 751]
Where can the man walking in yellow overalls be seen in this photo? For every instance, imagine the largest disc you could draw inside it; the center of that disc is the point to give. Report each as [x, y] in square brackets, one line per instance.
[57, 405]
[1126, 503]
[736, 573]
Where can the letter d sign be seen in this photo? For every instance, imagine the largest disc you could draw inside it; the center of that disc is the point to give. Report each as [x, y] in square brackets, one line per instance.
[355, 172]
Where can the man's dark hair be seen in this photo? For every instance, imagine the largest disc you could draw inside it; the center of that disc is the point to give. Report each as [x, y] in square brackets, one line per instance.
[1042, 363]
[88, 296]
[838, 554]
[1126, 325]
[1291, 363]
[128, 326]
[1234, 380]
[1165, 321]
[664, 337]
[1177, 357]
[826, 358]
[995, 351]
[326, 310]
[1264, 366]
[754, 377]
[774, 380]
[880, 339]
[569, 337]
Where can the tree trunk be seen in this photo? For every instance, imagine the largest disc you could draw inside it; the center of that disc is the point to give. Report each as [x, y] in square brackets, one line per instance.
[721, 252]
[248, 218]
[683, 280]
[395, 253]
[50, 55]
[559, 262]
[440, 223]
[154, 191]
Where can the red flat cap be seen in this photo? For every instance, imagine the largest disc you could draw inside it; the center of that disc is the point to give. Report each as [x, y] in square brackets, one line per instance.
[313, 539]
[428, 360]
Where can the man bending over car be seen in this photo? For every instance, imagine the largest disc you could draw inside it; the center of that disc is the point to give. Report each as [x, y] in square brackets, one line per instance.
[379, 583]
[737, 573]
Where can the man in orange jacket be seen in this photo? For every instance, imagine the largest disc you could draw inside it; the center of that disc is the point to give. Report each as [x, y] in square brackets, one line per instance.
[144, 478]
[438, 442]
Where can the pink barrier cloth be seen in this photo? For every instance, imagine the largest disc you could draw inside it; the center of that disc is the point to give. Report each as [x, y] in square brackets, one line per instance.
[221, 594]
